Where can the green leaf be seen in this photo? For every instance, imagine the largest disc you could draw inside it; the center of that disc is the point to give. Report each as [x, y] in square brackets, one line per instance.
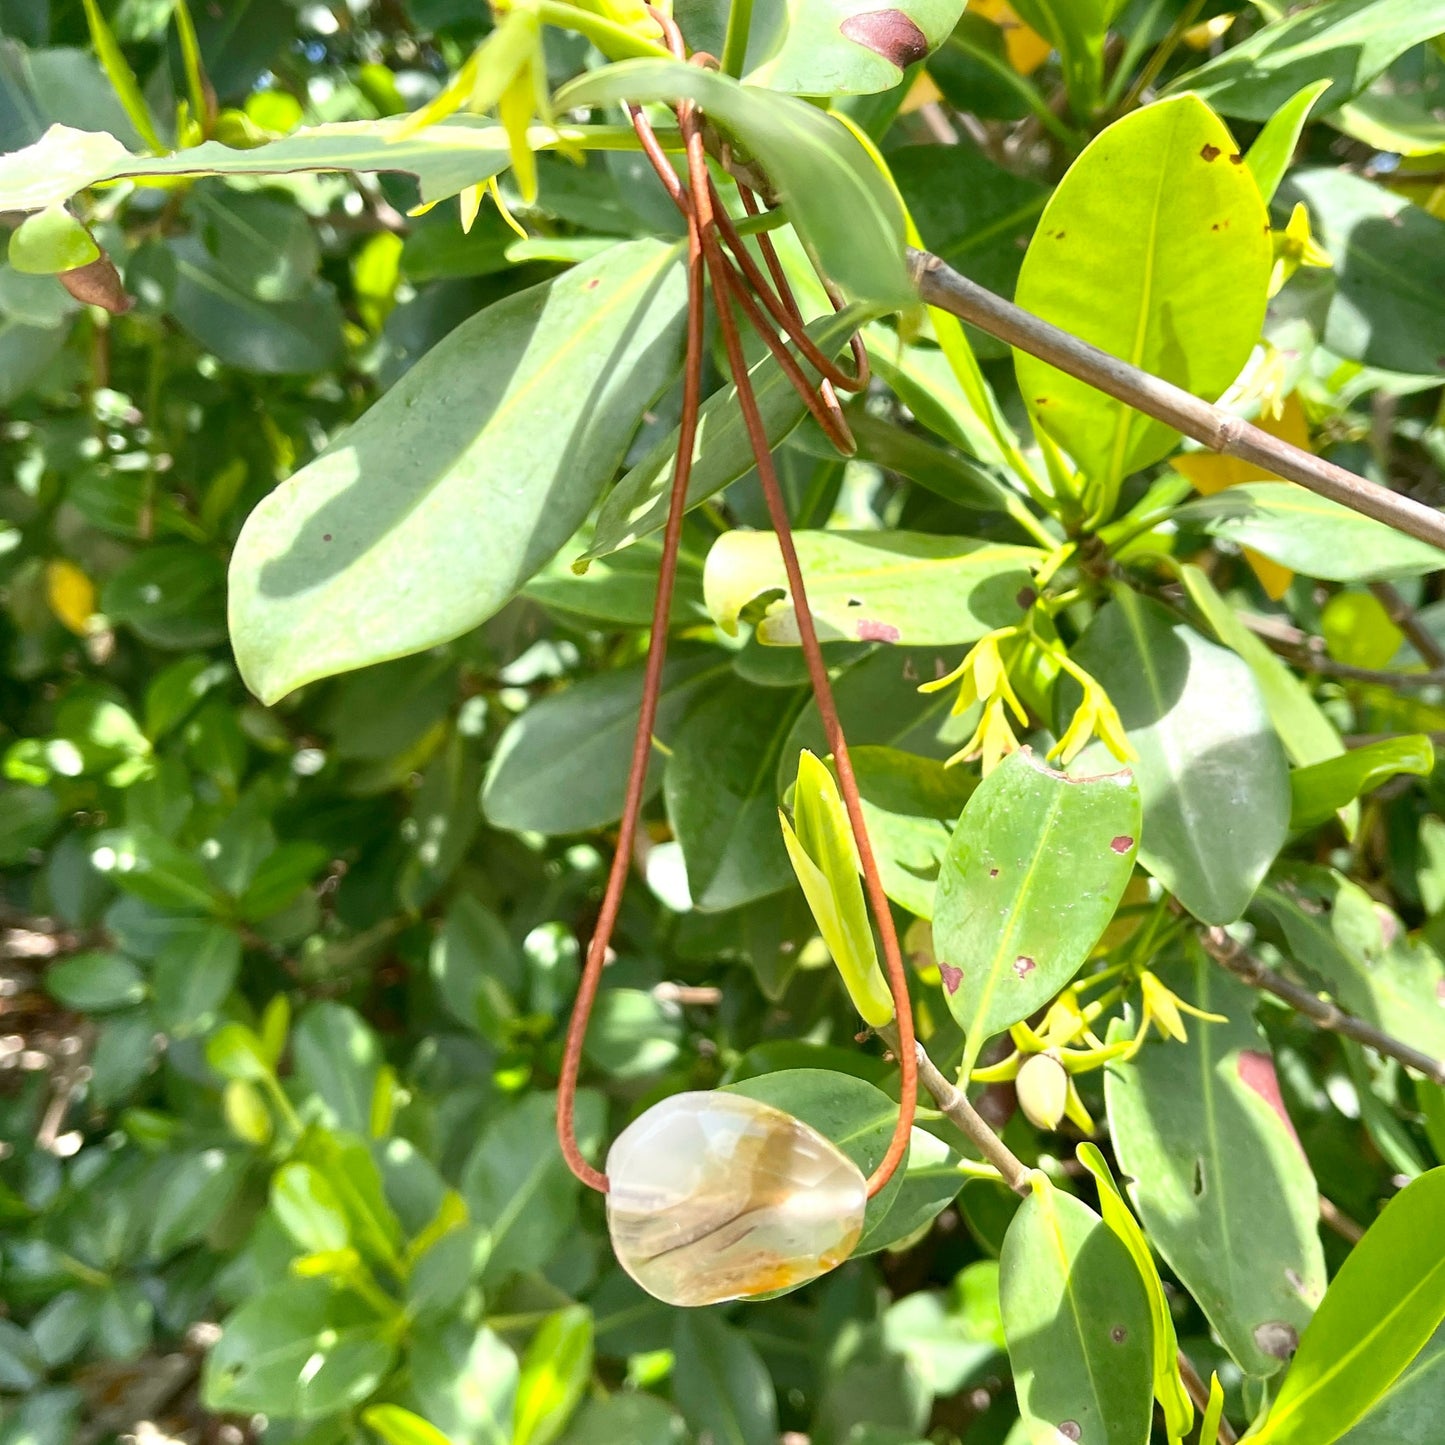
[197, 1188]
[1306, 732]
[1028, 837]
[1273, 149]
[1310, 534]
[1210, 769]
[348, 1166]
[517, 1185]
[1358, 948]
[336, 1058]
[1379, 1312]
[1154, 248]
[1080, 1338]
[192, 977]
[171, 596]
[907, 587]
[629, 1418]
[1408, 1413]
[637, 506]
[51, 241]
[632, 1034]
[280, 878]
[465, 1381]
[561, 767]
[399, 1426]
[505, 430]
[1387, 306]
[721, 796]
[1318, 791]
[840, 203]
[1217, 1175]
[308, 1209]
[143, 862]
[555, 1372]
[910, 806]
[1169, 1387]
[1077, 29]
[825, 47]
[263, 242]
[823, 851]
[121, 76]
[1399, 124]
[931, 1182]
[234, 1052]
[270, 337]
[445, 158]
[476, 968]
[1346, 42]
[720, 1382]
[95, 982]
[299, 1350]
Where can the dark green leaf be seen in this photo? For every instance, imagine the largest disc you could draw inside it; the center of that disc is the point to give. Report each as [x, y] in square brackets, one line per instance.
[336, 1057]
[299, 1350]
[1319, 790]
[465, 1381]
[173, 597]
[95, 982]
[561, 767]
[720, 789]
[156, 870]
[1217, 1175]
[629, 1418]
[196, 1190]
[1408, 1413]
[720, 1382]
[476, 968]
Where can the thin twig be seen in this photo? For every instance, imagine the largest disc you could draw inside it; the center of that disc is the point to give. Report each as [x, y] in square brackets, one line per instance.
[1407, 620]
[1335, 1218]
[953, 1103]
[1199, 1393]
[1233, 956]
[1221, 431]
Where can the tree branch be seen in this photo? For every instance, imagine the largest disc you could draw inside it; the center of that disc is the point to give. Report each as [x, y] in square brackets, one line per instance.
[1233, 956]
[1199, 1393]
[1215, 428]
[1405, 618]
[953, 1103]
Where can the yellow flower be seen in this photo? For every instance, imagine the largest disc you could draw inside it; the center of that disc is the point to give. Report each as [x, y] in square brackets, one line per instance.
[1295, 247]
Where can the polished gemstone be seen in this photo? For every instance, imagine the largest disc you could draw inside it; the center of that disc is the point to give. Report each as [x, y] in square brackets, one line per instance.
[713, 1196]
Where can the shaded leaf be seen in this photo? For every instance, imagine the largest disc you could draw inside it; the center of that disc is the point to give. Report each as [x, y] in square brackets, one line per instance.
[1217, 1174]
[506, 430]
[1211, 771]
[1317, 791]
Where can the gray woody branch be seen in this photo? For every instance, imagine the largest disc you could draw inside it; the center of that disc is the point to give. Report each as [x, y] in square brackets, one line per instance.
[1233, 956]
[1221, 431]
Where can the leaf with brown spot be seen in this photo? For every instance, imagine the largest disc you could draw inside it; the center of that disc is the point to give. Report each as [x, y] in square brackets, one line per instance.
[1217, 1176]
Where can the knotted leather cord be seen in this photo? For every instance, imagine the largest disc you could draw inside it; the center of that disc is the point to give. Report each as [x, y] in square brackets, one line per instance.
[734, 282]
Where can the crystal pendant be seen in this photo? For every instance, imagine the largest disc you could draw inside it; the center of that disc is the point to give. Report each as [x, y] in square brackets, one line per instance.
[714, 1196]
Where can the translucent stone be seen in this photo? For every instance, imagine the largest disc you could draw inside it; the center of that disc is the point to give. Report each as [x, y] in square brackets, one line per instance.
[714, 1196]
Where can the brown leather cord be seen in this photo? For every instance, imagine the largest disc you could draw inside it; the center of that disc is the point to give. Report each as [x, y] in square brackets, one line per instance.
[697, 201]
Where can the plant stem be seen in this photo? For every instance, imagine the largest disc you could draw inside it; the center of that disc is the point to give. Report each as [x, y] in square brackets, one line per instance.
[1023, 89]
[953, 1104]
[615, 41]
[1405, 618]
[735, 42]
[1199, 1393]
[1239, 961]
[1221, 431]
[1162, 52]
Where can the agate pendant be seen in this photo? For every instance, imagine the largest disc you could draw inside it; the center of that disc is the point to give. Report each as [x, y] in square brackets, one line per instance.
[714, 1196]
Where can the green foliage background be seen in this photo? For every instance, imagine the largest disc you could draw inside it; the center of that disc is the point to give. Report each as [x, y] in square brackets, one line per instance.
[284, 983]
